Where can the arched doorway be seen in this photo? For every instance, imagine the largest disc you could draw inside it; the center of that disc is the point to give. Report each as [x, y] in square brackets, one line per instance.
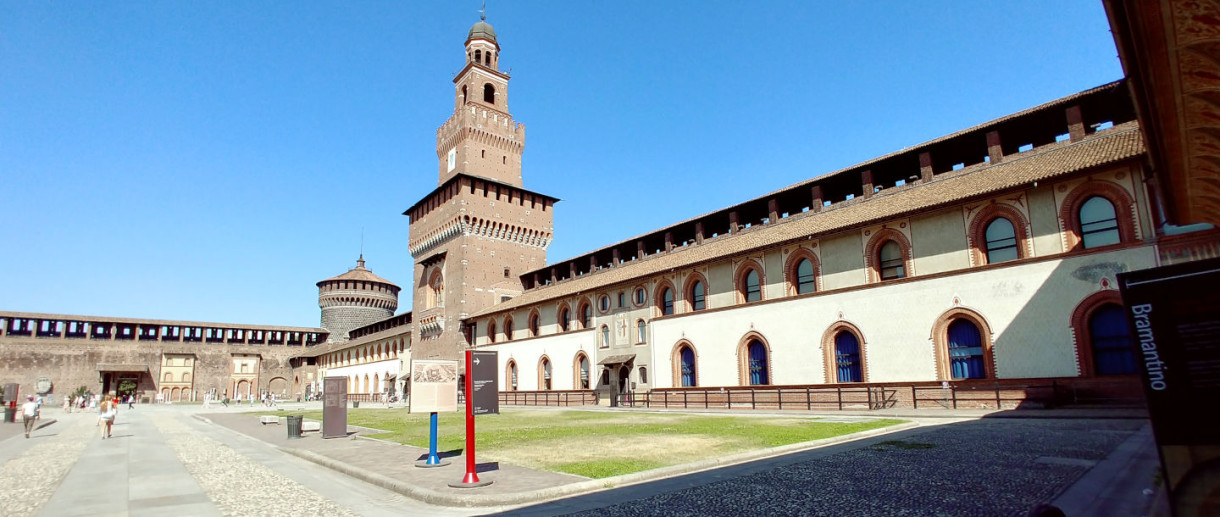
[847, 357]
[624, 379]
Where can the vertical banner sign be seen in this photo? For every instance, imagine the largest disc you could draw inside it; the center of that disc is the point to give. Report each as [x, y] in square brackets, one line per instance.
[478, 366]
[334, 407]
[1174, 315]
[485, 382]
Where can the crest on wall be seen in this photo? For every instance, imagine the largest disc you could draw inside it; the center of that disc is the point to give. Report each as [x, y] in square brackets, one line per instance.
[43, 385]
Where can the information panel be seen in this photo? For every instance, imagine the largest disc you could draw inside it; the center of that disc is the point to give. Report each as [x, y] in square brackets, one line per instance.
[434, 386]
[334, 407]
[1174, 315]
[484, 382]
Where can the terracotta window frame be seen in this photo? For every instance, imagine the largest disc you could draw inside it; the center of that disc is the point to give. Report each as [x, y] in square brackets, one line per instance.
[675, 356]
[577, 382]
[659, 298]
[1124, 212]
[580, 314]
[739, 281]
[743, 359]
[688, 288]
[603, 304]
[830, 361]
[604, 337]
[559, 313]
[491, 331]
[534, 323]
[1081, 336]
[940, 339]
[641, 332]
[543, 363]
[872, 259]
[977, 232]
[512, 375]
[639, 296]
[790, 276]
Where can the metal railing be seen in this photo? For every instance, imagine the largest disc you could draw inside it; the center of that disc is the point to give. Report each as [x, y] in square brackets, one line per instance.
[548, 398]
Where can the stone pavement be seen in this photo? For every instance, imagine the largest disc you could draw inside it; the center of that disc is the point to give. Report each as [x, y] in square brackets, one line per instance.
[189, 461]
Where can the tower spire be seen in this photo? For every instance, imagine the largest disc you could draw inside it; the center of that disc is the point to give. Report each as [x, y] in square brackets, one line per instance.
[483, 12]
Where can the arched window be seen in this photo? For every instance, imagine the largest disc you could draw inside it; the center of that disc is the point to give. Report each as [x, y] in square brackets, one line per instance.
[847, 357]
[169, 377]
[512, 375]
[698, 300]
[186, 377]
[1110, 339]
[686, 366]
[757, 363]
[463, 94]
[750, 286]
[491, 332]
[436, 287]
[489, 93]
[640, 296]
[667, 302]
[533, 322]
[1001, 241]
[565, 318]
[643, 375]
[478, 56]
[605, 336]
[965, 351]
[586, 316]
[890, 260]
[1098, 223]
[582, 372]
[641, 331]
[487, 58]
[603, 303]
[805, 281]
[544, 372]
[508, 328]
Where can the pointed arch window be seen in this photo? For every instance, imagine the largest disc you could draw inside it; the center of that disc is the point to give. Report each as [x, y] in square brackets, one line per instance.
[698, 296]
[891, 261]
[512, 376]
[966, 351]
[545, 383]
[582, 372]
[491, 332]
[1001, 240]
[533, 323]
[565, 318]
[805, 281]
[687, 367]
[847, 357]
[751, 289]
[667, 302]
[508, 329]
[586, 316]
[757, 363]
[1110, 338]
[1098, 223]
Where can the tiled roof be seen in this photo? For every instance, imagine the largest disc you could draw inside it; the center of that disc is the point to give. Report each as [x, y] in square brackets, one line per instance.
[1118, 143]
[360, 274]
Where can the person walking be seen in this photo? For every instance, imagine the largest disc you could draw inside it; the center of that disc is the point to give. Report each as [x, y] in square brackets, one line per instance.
[106, 417]
[29, 411]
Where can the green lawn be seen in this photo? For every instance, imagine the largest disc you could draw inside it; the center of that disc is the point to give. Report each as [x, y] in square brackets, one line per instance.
[599, 444]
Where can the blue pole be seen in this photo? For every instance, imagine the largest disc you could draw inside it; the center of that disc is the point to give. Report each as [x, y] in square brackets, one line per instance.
[433, 459]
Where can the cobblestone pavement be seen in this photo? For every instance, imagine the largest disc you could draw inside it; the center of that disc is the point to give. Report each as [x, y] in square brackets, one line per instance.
[161, 461]
[977, 468]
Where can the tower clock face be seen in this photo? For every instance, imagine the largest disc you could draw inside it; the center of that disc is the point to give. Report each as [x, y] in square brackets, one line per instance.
[452, 159]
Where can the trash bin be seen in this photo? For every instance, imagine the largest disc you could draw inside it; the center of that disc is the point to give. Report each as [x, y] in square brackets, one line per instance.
[355, 403]
[10, 415]
[294, 426]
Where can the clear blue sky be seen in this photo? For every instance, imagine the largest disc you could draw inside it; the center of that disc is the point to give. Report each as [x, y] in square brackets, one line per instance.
[212, 161]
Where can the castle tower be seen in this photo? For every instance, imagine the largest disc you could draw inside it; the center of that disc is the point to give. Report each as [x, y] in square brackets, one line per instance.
[480, 228]
[355, 299]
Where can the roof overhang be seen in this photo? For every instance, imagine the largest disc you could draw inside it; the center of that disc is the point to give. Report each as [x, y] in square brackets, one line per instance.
[1168, 49]
[121, 368]
[617, 359]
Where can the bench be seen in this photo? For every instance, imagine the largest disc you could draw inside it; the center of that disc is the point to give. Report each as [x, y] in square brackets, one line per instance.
[311, 426]
[269, 419]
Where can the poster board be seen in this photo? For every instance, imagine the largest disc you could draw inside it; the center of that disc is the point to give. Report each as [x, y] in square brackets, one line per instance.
[334, 407]
[1174, 317]
[484, 382]
[434, 386]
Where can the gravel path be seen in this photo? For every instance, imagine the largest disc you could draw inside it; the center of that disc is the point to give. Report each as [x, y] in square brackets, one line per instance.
[28, 480]
[237, 485]
[985, 468]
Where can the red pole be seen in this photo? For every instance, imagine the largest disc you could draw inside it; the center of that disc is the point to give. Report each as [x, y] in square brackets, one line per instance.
[471, 476]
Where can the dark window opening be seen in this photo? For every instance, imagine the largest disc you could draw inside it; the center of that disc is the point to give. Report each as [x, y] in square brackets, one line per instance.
[489, 93]
[1001, 241]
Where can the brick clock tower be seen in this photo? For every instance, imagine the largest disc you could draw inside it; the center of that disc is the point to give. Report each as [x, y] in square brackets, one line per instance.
[480, 228]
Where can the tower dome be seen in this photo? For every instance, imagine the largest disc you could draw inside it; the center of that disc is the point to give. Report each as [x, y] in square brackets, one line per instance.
[355, 299]
[482, 30]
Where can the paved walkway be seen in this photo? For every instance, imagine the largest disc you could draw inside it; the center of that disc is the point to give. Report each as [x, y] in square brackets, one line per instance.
[189, 461]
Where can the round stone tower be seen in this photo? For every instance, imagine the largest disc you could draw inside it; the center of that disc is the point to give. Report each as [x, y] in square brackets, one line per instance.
[355, 299]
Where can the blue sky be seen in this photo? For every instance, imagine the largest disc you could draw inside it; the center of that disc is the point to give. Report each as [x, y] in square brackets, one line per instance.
[212, 161]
